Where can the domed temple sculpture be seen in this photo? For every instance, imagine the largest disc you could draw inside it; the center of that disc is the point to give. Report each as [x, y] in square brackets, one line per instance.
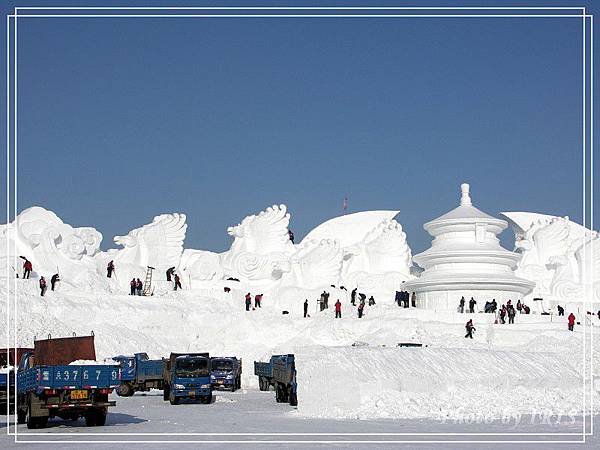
[466, 259]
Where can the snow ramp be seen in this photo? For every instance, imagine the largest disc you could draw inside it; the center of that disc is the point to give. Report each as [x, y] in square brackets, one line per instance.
[378, 382]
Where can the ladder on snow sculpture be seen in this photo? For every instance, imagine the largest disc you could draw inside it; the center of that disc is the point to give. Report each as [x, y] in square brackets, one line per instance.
[148, 282]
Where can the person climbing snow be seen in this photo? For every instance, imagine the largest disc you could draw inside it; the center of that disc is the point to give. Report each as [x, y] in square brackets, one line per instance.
[177, 282]
[338, 310]
[291, 235]
[132, 286]
[361, 308]
[42, 286]
[110, 268]
[27, 268]
[470, 329]
[170, 272]
[571, 320]
[306, 308]
[55, 279]
[461, 305]
[248, 301]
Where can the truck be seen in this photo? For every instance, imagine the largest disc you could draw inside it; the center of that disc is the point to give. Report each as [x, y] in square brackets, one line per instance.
[48, 385]
[226, 372]
[139, 374]
[279, 372]
[7, 374]
[187, 375]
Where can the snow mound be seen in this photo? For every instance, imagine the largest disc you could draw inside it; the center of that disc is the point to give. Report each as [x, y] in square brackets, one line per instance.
[367, 382]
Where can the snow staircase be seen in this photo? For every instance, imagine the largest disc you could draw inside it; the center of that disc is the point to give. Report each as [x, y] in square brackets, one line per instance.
[148, 282]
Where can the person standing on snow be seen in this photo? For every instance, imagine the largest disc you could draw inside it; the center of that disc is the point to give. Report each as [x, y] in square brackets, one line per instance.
[519, 306]
[248, 301]
[42, 286]
[472, 304]
[571, 319]
[291, 235]
[511, 314]
[257, 299]
[353, 297]
[503, 314]
[561, 310]
[306, 308]
[55, 278]
[461, 305]
[139, 286]
[470, 328]
[338, 310]
[177, 282]
[132, 286]
[170, 272]
[361, 308]
[371, 301]
[27, 268]
[110, 268]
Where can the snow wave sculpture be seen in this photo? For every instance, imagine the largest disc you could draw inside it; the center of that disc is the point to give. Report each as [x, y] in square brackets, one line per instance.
[261, 246]
[315, 264]
[559, 255]
[52, 245]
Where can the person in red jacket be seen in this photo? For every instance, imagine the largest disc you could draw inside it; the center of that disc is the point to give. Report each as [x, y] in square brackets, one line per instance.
[42, 286]
[248, 301]
[257, 299]
[27, 268]
[571, 319]
[338, 310]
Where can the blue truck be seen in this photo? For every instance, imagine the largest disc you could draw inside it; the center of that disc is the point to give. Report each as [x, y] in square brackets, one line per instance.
[226, 373]
[49, 386]
[7, 374]
[279, 372]
[139, 374]
[187, 376]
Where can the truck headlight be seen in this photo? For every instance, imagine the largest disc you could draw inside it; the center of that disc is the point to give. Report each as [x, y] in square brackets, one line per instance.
[229, 377]
[179, 386]
[212, 377]
[205, 386]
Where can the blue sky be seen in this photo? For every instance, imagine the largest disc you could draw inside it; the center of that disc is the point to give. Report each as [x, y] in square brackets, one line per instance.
[124, 119]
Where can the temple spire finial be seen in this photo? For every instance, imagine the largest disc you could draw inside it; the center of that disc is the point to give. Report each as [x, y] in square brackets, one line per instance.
[465, 199]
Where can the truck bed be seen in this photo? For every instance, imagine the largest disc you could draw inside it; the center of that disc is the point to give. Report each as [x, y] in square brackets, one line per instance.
[68, 377]
[263, 369]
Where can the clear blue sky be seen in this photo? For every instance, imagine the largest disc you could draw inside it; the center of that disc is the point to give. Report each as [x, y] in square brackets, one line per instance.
[124, 119]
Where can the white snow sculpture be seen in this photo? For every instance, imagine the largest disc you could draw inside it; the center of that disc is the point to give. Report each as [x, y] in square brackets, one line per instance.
[261, 246]
[315, 264]
[201, 265]
[559, 255]
[158, 244]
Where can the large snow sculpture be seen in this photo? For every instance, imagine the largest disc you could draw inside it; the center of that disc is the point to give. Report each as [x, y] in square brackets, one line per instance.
[559, 255]
[201, 265]
[466, 259]
[316, 264]
[158, 244]
[261, 246]
[52, 245]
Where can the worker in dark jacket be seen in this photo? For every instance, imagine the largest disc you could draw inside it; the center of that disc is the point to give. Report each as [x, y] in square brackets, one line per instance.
[470, 328]
[361, 308]
[561, 310]
[55, 279]
[110, 268]
[132, 286]
[42, 286]
[306, 308]
[170, 272]
[461, 305]
[177, 282]
[139, 286]
[248, 301]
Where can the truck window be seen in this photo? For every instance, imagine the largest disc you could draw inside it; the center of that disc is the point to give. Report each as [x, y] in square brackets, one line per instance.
[192, 367]
[222, 364]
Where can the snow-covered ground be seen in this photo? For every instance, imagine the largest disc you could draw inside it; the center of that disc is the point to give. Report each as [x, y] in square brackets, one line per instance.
[535, 365]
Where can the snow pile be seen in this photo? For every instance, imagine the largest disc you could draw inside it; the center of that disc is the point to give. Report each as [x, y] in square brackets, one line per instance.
[376, 382]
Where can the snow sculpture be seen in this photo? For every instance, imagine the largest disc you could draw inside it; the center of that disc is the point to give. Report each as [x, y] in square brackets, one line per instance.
[559, 255]
[466, 259]
[261, 246]
[158, 244]
[315, 264]
[201, 265]
[52, 245]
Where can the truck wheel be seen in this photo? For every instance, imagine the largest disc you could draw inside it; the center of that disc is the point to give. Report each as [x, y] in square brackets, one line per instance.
[293, 399]
[206, 399]
[34, 422]
[174, 400]
[278, 394]
[124, 390]
[166, 392]
[21, 416]
[263, 384]
[95, 418]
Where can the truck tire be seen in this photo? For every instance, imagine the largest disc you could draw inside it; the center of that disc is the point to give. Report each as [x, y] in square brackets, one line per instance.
[124, 390]
[173, 400]
[21, 416]
[95, 417]
[34, 422]
[166, 392]
[279, 395]
[206, 399]
[263, 384]
[293, 399]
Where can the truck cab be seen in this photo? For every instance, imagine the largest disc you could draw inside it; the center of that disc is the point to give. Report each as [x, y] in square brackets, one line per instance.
[187, 376]
[139, 373]
[226, 373]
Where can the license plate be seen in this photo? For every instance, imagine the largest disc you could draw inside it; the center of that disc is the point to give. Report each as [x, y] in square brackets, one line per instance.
[192, 393]
[220, 382]
[79, 394]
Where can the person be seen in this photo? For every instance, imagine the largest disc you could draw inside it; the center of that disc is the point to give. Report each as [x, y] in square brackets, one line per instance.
[371, 301]
[488, 306]
[291, 235]
[177, 282]
[526, 309]
[502, 314]
[472, 304]
[170, 272]
[306, 308]
[322, 301]
[461, 305]
[42, 286]
[132, 286]
[519, 306]
[362, 298]
[494, 306]
[470, 328]
[361, 308]
[55, 278]
[326, 300]
[257, 299]
[599, 314]
[571, 319]
[561, 310]
[248, 301]
[27, 268]
[511, 314]
[413, 300]
[110, 268]
[139, 286]
[353, 297]
[338, 310]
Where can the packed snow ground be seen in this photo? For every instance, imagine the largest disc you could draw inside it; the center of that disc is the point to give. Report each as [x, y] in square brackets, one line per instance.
[532, 365]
